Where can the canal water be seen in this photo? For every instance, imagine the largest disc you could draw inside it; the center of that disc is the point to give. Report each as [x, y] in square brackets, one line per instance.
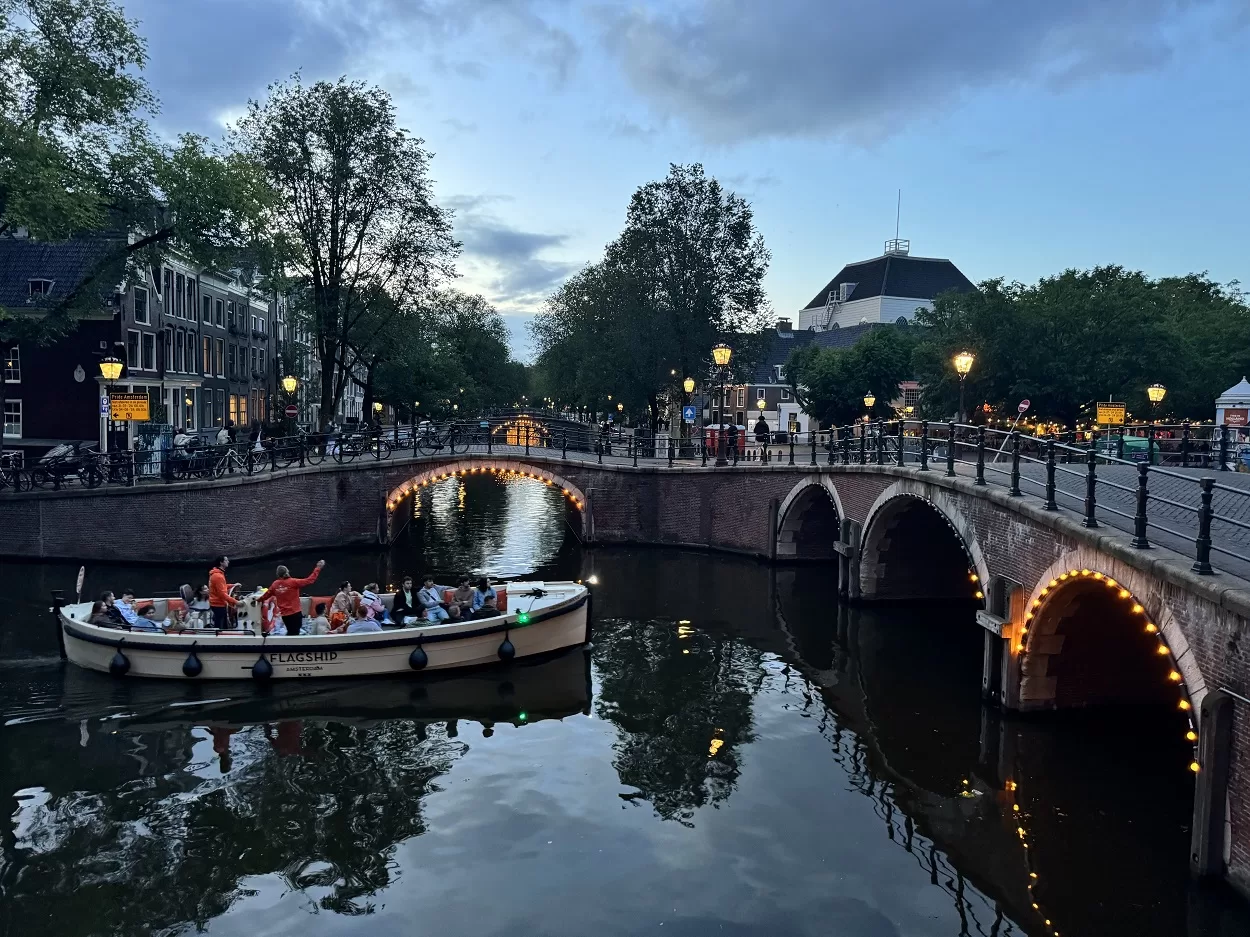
[735, 755]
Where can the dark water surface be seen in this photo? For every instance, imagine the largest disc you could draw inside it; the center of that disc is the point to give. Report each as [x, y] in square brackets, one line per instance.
[736, 755]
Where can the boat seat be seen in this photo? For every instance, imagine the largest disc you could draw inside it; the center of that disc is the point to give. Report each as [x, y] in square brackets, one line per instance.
[165, 608]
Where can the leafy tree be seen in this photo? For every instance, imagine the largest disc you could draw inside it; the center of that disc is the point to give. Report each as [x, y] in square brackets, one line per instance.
[1082, 336]
[830, 383]
[685, 273]
[354, 214]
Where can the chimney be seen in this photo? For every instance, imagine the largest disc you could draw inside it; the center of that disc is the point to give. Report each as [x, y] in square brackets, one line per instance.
[783, 325]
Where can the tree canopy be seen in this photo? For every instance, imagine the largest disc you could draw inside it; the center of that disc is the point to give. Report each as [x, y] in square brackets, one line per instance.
[830, 383]
[685, 273]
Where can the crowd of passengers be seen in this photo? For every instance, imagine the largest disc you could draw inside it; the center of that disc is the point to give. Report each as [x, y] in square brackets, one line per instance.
[212, 606]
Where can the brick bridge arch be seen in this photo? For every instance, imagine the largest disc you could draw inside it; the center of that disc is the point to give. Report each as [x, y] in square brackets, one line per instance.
[809, 520]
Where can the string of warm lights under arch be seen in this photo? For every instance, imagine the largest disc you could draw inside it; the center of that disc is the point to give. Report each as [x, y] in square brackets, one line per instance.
[501, 469]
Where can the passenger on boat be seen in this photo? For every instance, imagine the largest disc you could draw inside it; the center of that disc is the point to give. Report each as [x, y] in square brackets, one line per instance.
[200, 614]
[404, 607]
[285, 592]
[100, 616]
[363, 623]
[371, 603]
[111, 610]
[220, 600]
[126, 607]
[482, 593]
[488, 609]
[462, 598]
[146, 620]
[431, 599]
[319, 624]
[340, 612]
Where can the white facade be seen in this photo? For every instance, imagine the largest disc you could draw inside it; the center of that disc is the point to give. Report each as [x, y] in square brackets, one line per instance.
[871, 309]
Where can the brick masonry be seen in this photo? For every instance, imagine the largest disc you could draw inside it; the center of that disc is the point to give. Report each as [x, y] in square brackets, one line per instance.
[1201, 620]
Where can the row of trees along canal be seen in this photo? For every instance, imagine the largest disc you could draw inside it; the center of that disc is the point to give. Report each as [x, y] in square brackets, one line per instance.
[315, 193]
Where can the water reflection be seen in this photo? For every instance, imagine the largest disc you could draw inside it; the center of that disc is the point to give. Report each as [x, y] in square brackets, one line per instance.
[742, 757]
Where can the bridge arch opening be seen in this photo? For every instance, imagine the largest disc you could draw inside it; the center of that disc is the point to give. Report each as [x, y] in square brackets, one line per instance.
[809, 523]
[912, 551]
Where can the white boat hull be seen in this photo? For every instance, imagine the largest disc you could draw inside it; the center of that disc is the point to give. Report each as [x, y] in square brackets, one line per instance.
[558, 621]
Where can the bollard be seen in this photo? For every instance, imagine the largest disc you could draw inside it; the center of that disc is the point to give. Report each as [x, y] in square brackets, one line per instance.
[1050, 475]
[980, 455]
[792, 448]
[1202, 544]
[1139, 518]
[813, 447]
[1091, 484]
[924, 445]
[670, 451]
[633, 446]
[1015, 464]
[950, 449]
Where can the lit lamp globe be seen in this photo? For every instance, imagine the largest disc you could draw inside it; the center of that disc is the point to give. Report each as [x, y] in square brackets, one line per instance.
[869, 400]
[377, 406]
[761, 404]
[1156, 393]
[688, 385]
[620, 407]
[289, 383]
[110, 368]
[963, 363]
[721, 354]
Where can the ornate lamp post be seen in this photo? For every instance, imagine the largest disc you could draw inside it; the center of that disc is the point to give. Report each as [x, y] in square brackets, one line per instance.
[963, 364]
[110, 370]
[721, 356]
[1155, 393]
[869, 399]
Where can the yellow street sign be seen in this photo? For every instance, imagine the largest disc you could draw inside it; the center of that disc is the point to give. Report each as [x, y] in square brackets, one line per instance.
[129, 407]
[1110, 413]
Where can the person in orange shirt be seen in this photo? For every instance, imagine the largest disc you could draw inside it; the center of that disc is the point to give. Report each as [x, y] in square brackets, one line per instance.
[285, 593]
[220, 601]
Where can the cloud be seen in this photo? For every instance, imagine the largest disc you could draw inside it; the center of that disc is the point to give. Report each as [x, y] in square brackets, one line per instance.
[859, 71]
[624, 128]
[746, 182]
[460, 126]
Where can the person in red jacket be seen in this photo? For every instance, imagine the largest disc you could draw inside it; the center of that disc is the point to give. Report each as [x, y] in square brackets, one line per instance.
[220, 601]
[285, 592]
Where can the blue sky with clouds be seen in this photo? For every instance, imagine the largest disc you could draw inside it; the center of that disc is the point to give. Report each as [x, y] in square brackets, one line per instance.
[1026, 137]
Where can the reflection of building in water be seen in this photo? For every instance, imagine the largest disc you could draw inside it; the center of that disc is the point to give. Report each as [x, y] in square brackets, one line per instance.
[521, 431]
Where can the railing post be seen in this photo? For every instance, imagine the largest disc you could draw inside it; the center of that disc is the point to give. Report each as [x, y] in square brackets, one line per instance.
[881, 442]
[1202, 545]
[791, 448]
[1015, 463]
[273, 457]
[980, 455]
[527, 440]
[832, 444]
[1223, 447]
[633, 445]
[924, 445]
[902, 426]
[564, 444]
[299, 441]
[1091, 484]
[1050, 475]
[950, 449]
[813, 432]
[1139, 518]
[1119, 445]
[863, 444]
[1150, 445]
[130, 465]
[1185, 445]
[703, 447]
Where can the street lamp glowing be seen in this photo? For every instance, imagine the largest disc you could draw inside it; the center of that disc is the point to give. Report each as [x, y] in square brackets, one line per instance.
[869, 399]
[110, 368]
[688, 385]
[1156, 393]
[963, 363]
[761, 404]
[721, 354]
[620, 407]
[377, 406]
[288, 383]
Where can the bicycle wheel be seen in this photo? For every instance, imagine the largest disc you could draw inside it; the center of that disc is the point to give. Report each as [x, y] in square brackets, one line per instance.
[380, 449]
[40, 477]
[314, 451]
[345, 453]
[428, 444]
[459, 442]
[91, 476]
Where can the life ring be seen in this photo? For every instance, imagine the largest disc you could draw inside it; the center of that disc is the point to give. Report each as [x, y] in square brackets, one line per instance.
[268, 613]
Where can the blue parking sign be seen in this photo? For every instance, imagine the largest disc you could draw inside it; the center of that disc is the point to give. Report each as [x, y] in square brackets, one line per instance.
[687, 413]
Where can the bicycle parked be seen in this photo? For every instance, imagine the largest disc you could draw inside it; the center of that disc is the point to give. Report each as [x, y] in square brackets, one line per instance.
[455, 438]
[349, 446]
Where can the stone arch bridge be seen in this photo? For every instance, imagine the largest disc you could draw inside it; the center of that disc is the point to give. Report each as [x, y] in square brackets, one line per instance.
[1072, 616]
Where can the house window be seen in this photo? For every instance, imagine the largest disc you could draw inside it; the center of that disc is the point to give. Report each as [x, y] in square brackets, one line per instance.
[206, 407]
[785, 393]
[262, 362]
[179, 341]
[190, 311]
[777, 368]
[911, 396]
[230, 313]
[168, 353]
[742, 396]
[221, 321]
[132, 349]
[13, 366]
[219, 408]
[142, 316]
[149, 351]
[167, 294]
[40, 286]
[208, 356]
[178, 294]
[221, 358]
[232, 366]
[13, 418]
[206, 306]
[253, 360]
[191, 356]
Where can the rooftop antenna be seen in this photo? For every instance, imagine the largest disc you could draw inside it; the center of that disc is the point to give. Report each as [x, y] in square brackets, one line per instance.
[898, 210]
[898, 245]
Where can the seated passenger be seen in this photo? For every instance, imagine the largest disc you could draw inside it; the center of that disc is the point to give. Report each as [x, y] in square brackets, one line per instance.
[488, 609]
[111, 610]
[146, 620]
[363, 623]
[482, 593]
[462, 598]
[371, 603]
[405, 605]
[318, 624]
[340, 613]
[126, 606]
[199, 614]
[99, 615]
[431, 599]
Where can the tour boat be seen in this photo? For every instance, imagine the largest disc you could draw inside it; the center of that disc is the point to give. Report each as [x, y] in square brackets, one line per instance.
[547, 617]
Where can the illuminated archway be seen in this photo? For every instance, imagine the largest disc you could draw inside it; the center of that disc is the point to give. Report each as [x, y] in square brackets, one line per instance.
[506, 468]
[916, 545]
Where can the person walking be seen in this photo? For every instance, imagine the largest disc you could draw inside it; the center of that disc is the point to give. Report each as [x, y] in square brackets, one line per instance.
[286, 600]
[220, 601]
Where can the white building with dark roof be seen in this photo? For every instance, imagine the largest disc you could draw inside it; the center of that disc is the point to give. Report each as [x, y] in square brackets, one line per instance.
[888, 288]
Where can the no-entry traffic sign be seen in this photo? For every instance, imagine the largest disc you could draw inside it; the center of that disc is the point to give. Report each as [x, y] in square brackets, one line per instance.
[291, 411]
[1024, 405]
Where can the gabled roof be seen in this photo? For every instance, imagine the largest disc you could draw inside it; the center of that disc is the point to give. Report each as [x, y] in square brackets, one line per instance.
[896, 275]
[66, 264]
[779, 348]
